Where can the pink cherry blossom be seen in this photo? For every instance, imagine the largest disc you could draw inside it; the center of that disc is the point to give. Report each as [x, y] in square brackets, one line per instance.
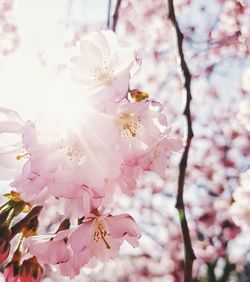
[75, 157]
[240, 209]
[49, 249]
[125, 183]
[104, 67]
[244, 113]
[10, 143]
[140, 126]
[56, 251]
[83, 203]
[69, 161]
[31, 186]
[9, 38]
[73, 266]
[102, 235]
[157, 159]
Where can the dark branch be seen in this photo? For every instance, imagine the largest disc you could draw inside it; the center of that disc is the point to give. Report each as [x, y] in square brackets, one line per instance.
[211, 274]
[189, 253]
[228, 268]
[109, 13]
[116, 14]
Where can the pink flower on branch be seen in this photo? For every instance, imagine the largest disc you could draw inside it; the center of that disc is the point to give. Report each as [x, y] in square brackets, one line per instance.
[240, 209]
[104, 67]
[75, 157]
[49, 249]
[10, 143]
[98, 237]
[101, 236]
[140, 126]
[157, 159]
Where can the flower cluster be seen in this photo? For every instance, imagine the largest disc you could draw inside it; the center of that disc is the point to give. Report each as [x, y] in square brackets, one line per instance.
[240, 209]
[9, 39]
[94, 145]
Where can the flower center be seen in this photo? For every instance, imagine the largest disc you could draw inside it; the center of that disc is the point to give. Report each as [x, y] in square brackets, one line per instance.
[75, 151]
[130, 125]
[157, 154]
[101, 233]
[103, 73]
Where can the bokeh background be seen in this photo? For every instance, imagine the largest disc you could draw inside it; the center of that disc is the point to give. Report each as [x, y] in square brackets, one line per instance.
[37, 36]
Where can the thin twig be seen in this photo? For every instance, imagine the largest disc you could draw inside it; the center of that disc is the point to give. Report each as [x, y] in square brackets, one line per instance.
[25, 221]
[189, 253]
[109, 13]
[116, 14]
[210, 270]
[228, 268]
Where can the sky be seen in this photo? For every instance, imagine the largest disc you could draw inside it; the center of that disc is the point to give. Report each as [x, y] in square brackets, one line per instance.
[49, 19]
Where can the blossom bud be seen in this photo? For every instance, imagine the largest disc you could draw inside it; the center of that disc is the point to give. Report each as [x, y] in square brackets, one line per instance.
[5, 235]
[31, 270]
[4, 250]
[138, 95]
[12, 270]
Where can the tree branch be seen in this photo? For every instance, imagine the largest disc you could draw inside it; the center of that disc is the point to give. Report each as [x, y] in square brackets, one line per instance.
[228, 268]
[116, 14]
[189, 253]
[211, 274]
[109, 13]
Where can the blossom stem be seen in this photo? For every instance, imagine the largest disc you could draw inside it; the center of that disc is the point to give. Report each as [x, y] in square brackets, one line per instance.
[109, 13]
[3, 206]
[228, 268]
[95, 212]
[64, 225]
[25, 221]
[189, 252]
[11, 216]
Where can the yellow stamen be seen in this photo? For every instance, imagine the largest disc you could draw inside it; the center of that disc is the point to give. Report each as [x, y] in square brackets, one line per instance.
[126, 126]
[103, 73]
[75, 151]
[101, 233]
[130, 124]
[19, 157]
